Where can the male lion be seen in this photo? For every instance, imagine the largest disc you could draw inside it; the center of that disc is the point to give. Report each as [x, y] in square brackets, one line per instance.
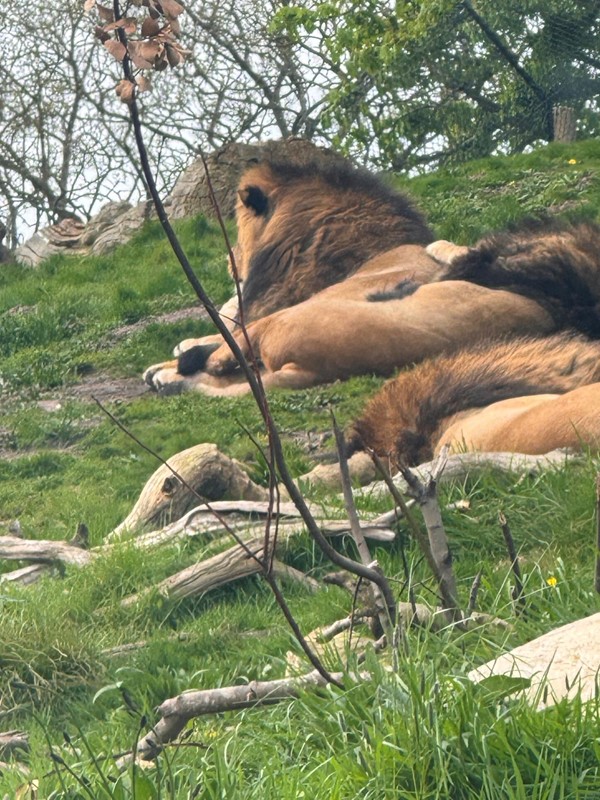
[338, 280]
[525, 395]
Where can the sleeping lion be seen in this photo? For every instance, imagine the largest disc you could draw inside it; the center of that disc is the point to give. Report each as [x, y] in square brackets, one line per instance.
[524, 396]
[340, 277]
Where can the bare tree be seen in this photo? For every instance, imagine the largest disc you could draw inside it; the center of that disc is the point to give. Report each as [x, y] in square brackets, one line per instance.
[64, 133]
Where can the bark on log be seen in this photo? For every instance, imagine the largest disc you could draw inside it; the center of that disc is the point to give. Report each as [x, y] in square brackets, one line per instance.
[14, 548]
[234, 563]
[26, 576]
[210, 473]
[222, 568]
[361, 468]
[10, 741]
[177, 711]
[462, 464]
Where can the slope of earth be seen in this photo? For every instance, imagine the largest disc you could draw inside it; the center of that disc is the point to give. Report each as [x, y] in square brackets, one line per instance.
[76, 329]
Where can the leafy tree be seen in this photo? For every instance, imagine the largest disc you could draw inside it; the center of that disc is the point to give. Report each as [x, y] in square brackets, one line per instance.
[399, 85]
[440, 80]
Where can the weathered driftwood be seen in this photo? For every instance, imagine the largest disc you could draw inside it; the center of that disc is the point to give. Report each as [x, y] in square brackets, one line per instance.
[25, 576]
[12, 741]
[361, 468]
[287, 573]
[246, 518]
[176, 712]
[461, 464]
[383, 597]
[233, 564]
[14, 548]
[167, 496]
[436, 548]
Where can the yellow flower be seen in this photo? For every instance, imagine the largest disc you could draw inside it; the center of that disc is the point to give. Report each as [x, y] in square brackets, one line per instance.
[572, 161]
[551, 581]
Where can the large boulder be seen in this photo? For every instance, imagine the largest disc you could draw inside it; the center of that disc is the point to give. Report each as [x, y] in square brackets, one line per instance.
[191, 194]
[64, 236]
[558, 664]
[117, 222]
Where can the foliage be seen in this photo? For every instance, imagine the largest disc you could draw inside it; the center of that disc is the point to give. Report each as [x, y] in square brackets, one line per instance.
[445, 81]
[398, 85]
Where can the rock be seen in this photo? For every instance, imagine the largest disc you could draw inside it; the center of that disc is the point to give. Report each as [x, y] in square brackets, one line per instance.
[559, 664]
[191, 196]
[63, 236]
[120, 230]
[117, 222]
[105, 218]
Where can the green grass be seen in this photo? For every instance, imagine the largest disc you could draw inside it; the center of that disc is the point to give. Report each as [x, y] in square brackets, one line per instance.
[422, 732]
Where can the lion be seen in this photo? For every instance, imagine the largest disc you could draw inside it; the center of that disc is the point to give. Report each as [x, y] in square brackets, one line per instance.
[340, 277]
[525, 395]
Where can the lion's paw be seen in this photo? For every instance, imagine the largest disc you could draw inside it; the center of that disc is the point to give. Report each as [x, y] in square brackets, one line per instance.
[445, 252]
[168, 382]
[186, 344]
[150, 372]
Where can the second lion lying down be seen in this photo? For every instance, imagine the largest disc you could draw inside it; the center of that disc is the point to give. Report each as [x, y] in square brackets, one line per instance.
[523, 396]
[340, 278]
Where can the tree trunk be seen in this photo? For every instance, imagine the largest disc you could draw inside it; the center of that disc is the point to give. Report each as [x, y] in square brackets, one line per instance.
[565, 124]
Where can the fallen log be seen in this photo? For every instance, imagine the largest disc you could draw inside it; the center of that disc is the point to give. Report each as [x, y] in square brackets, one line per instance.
[461, 464]
[198, 472]
[14, 548]
[26, 576]
[176, 712]
[12, 741]
[231, 565]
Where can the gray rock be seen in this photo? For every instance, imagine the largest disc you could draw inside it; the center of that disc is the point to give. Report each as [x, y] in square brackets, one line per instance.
[559, 664]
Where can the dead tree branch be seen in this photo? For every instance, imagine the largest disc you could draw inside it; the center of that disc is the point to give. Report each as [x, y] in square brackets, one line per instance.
[517, 593]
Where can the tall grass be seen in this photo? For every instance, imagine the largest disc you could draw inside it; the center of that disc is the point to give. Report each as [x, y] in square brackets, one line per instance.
[422, 732]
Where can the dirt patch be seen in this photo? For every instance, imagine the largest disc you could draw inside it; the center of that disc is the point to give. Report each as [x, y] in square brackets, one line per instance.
[106, 388]
[195, 312]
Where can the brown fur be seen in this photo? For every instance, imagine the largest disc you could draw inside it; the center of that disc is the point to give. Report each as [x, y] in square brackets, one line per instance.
[557, 264]
[486, 397]
[337, 281]
[301, 229]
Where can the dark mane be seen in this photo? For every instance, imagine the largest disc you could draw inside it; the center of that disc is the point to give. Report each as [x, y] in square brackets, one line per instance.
[322, 222]
[555, 263]
[342, 176]
[403, 420]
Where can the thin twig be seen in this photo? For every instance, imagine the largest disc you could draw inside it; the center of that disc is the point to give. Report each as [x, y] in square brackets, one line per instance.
[517, 593]
[444, 576]
[383, 598]
[474, 592]
[597, 579]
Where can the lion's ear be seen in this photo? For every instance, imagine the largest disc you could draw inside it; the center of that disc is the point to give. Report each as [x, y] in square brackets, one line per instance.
[254, 199]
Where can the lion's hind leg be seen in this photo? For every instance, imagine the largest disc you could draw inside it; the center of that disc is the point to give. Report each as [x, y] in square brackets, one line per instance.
[445, 252]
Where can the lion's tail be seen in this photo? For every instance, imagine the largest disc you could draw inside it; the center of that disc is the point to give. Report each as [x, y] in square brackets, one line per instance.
[403, 421]
[555, 263]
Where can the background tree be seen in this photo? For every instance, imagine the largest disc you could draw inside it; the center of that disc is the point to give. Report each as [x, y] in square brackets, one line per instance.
[438, 81]
[63, 131]
[404, 85]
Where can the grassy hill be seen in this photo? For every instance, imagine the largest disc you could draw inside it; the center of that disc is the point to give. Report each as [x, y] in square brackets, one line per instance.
[78, 328]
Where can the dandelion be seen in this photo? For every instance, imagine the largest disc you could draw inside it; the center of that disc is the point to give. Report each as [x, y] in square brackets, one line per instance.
[572, 161]
[551, 581]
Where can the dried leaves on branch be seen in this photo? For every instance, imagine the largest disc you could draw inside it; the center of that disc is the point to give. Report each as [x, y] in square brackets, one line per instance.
[149, 42]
